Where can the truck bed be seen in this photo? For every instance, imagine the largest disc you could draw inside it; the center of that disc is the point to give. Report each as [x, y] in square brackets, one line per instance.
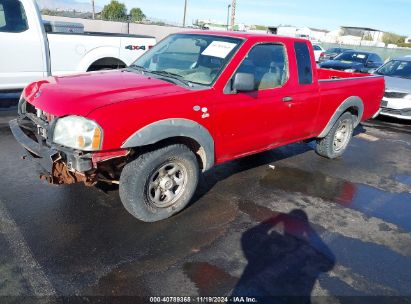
[337, 86]
[327, 74]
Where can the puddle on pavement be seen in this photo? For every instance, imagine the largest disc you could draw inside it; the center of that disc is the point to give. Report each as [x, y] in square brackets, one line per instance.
[209, 279]
[391, 207]
[158, 246]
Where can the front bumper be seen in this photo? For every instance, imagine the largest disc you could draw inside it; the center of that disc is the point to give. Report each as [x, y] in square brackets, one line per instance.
[401, 114]
[396, 107]
[56, 166]
[45, 156]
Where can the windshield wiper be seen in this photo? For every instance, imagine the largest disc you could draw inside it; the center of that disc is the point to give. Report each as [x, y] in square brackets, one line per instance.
[173, 76]
[138, 67]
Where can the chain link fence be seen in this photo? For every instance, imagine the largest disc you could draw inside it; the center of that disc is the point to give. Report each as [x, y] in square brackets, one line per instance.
[385, 53]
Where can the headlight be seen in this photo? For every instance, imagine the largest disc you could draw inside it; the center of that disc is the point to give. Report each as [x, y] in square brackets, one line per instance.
[349, 70]
[78, 133]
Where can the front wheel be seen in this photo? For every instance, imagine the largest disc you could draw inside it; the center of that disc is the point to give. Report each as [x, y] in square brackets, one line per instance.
[160, 183]
[337, 140]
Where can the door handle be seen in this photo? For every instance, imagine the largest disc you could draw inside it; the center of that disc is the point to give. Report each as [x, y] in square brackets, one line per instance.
[288, 99]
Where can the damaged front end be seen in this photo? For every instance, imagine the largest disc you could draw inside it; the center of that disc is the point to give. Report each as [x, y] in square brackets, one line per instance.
[61, 175]
[60, 165]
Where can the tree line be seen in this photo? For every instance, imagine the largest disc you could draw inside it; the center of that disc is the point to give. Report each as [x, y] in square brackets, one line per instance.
[114, 11]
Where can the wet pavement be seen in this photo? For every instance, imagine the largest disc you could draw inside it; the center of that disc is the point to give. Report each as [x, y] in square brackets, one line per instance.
[284, 222]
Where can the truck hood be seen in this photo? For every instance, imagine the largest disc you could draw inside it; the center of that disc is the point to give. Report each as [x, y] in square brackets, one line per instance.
[396, 84]
[81, 94]
[341, 65]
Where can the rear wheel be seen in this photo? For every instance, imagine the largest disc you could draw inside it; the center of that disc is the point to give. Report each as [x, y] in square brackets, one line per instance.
[160, 183]
[337, 140]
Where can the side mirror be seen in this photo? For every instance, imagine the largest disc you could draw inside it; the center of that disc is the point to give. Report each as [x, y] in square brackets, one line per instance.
[244, 82]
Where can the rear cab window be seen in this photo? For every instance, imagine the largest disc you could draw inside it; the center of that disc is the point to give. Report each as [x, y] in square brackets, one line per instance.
[12, 17]
[305, 70]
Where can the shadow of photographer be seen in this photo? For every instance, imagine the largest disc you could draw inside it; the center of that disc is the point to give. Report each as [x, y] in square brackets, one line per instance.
[285, 258]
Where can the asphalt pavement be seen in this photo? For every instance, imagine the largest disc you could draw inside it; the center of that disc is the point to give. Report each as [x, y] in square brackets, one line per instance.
[282, 223]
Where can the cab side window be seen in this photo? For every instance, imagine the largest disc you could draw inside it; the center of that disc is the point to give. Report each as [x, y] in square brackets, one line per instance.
[267, 62]
[375, 58]
[12, 17]
[2, 17]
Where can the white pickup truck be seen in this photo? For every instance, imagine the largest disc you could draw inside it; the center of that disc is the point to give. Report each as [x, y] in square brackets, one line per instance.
[29, 53]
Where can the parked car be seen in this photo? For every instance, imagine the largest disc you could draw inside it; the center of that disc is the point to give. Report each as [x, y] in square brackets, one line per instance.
[397, 98]
[354, 61]
[330, 54]
[28, 53]
[196, 99]
[318, 52]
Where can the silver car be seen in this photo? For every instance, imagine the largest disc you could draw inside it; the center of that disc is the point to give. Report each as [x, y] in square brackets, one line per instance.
[397, 99]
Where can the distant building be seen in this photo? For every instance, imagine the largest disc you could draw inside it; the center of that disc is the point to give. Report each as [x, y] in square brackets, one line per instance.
[312, 33]
[292, 31]
[408, 40]
[365, 33]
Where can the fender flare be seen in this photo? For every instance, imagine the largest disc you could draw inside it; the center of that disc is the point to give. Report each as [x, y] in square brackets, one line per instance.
[176, 127]
[97, 54]
[351, 102]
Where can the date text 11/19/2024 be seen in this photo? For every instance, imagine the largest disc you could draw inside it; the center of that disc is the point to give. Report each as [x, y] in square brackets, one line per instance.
[203, 300]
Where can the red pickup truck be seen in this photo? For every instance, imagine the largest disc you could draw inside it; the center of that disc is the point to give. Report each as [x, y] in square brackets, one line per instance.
[195, 100]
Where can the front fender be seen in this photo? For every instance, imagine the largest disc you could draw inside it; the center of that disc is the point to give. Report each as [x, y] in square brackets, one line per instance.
[175, 127]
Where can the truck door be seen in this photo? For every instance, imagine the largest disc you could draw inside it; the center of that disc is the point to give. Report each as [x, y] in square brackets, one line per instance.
[22, 56]
[252, 121]
[304, 101]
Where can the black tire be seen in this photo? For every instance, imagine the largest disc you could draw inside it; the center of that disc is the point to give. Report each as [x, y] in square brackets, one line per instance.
[138, 181]
[327, 146]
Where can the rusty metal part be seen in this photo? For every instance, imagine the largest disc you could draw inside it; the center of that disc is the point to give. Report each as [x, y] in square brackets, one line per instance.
[62, 175]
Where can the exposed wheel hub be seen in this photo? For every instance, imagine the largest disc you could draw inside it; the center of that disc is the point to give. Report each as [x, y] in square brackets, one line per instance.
[167, 184]
[342, 135]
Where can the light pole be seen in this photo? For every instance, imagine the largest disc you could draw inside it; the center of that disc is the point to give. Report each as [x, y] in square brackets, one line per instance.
[228, 17]
[185, 12]
[94, 9]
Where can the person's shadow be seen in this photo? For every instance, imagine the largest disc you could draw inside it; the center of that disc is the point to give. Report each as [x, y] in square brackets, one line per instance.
[285, 258]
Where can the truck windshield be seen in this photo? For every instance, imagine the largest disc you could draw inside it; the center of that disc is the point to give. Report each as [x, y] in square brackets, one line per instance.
[396, 68]
[192, 58]
[352, 57]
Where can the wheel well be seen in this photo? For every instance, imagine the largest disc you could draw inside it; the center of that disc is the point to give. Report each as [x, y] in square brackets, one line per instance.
[107, 63]
[354, 111]
[192, 144]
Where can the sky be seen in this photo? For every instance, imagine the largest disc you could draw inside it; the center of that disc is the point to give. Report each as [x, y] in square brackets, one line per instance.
[385, 15]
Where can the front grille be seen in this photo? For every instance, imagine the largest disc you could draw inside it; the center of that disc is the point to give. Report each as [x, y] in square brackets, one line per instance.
[41, 120]
[395, 94]
[30, 108]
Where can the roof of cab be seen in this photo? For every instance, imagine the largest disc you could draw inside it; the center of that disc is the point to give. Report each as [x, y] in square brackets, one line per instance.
[242, 35]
